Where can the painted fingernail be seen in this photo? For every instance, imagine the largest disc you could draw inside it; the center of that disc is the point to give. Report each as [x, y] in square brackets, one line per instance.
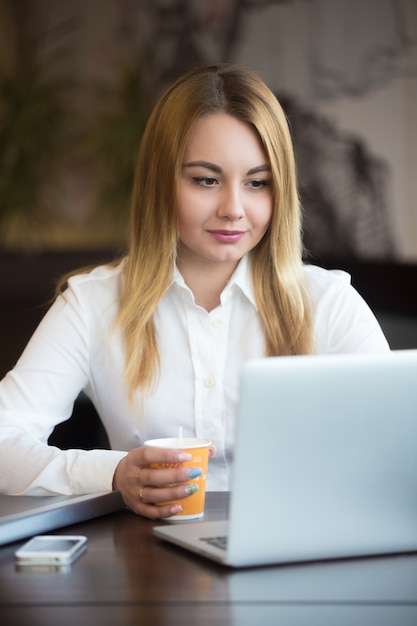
[184, 456]
[191, 489]
[195, 472]
[177, 508]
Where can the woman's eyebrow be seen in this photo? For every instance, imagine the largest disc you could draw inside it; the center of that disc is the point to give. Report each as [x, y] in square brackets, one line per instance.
[205, 164]
[218, 170]
[260, 168]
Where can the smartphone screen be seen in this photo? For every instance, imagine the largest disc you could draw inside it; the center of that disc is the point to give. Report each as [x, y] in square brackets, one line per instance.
[51, 550]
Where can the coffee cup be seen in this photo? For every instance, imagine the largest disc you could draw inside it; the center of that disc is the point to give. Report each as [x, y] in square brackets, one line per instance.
[199, 449]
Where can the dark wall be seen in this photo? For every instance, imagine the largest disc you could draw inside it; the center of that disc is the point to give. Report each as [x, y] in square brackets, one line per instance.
[27, 285]
[390, 289]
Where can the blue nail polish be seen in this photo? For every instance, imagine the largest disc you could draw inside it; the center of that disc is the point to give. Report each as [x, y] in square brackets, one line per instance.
[194, 473]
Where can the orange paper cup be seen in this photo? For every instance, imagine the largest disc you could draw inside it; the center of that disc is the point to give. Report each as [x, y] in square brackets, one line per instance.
[193, 505]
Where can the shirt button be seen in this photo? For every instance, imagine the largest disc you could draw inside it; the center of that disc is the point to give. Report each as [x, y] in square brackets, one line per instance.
[217, 322]
[209, 382]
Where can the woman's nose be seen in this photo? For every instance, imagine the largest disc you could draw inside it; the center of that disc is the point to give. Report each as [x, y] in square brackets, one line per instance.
[231, 203]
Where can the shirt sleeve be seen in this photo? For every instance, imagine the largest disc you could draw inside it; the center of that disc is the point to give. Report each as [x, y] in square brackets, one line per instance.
[38, 394]
[344, 323]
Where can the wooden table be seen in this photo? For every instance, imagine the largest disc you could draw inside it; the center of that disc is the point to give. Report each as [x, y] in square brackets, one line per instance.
[129, 577]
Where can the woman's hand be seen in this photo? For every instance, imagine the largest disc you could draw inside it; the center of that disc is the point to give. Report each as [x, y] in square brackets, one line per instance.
[143, 486]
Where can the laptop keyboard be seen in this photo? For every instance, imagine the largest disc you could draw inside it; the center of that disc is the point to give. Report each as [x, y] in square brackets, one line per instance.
[218, 542]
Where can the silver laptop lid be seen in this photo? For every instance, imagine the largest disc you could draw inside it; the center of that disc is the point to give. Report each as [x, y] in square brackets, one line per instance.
[25, 516]
[326, 458]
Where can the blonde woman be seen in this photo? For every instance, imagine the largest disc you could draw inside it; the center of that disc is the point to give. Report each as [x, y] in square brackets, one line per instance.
[213, 277]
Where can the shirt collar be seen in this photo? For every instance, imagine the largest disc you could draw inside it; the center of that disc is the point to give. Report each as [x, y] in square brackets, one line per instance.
[240, 279]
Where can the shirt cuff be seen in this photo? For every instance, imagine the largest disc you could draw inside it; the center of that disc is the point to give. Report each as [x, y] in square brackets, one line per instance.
[94, 470]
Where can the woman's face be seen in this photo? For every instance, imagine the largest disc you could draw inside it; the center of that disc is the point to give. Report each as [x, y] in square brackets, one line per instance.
[225, 194]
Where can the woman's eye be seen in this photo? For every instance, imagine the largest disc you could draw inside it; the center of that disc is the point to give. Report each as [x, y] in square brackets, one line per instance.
[259, 184]
[204, 181]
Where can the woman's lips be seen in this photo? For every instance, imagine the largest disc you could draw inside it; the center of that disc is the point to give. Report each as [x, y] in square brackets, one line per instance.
[227, 236]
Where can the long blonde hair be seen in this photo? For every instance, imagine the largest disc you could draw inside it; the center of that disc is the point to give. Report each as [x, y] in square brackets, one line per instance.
[153, 242]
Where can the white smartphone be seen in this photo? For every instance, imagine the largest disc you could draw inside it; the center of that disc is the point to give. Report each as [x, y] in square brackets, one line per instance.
[51, 550]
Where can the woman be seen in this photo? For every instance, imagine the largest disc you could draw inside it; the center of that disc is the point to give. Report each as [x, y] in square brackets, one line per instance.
[213, 277]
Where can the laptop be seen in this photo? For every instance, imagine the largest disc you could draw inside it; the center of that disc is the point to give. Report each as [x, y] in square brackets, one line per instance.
[25, 516]
[325, 463]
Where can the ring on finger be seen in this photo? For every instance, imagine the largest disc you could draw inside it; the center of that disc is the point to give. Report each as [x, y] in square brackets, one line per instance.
[141, 498]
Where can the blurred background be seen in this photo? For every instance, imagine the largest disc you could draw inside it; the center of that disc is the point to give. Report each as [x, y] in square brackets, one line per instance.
[79, 77]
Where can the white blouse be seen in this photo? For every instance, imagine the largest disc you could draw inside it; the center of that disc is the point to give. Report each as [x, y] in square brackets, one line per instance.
[75, 348]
